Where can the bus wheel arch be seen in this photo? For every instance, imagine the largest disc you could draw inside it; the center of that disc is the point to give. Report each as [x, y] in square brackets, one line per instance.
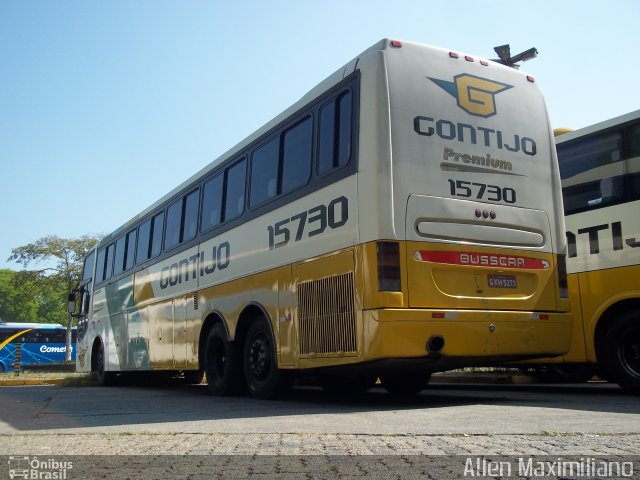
[257, 336]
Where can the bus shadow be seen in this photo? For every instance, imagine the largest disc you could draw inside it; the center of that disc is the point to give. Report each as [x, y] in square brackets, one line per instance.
[49, 408]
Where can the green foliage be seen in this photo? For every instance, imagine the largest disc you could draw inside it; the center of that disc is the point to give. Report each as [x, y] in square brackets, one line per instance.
[40, 294]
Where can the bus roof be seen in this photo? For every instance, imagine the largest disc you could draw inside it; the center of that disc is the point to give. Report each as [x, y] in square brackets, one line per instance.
[598, 127]
[44, 326]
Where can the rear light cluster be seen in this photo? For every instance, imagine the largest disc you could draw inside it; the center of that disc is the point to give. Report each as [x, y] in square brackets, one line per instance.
[388, 256]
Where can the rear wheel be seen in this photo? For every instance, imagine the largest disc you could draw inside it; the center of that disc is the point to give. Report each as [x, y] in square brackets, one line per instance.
[222, 363]
[263, 377]
[621, 352]
[405, 384]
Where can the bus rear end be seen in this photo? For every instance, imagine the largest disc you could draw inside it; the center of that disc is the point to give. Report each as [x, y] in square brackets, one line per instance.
[469, 266]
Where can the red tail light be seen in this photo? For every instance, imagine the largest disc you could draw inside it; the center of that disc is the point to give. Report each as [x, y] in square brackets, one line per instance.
[388, 267]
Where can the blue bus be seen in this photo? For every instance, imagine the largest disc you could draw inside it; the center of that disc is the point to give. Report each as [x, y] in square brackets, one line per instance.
[41, 343]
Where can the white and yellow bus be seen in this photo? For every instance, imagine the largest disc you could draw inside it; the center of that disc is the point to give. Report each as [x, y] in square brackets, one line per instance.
[403, 218]
[600, 170]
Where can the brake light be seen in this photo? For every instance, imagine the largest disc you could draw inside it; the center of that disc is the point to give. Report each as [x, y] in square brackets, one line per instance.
[388, 254]
[396, 43]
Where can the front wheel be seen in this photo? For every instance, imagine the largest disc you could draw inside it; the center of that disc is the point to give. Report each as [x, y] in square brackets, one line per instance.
[264, 380]
[621, 352]
[98, 366]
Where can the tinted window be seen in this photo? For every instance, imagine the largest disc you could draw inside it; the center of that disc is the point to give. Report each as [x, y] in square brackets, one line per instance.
[108, 262]
[593, 172]
[212, 203]
[100, 266]
[144, 236]
[344, 130]
[335, 133]
[156, 235]
[296, 155]
[88, 266]
[131, 249]
[326, 137]
[174, 219]
[235, 187]
[264, 172]
[589, 154]
[634, 141]
[118, 266]
[190, 222]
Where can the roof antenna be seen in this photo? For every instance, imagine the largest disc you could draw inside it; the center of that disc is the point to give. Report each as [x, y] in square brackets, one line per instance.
[505, 58]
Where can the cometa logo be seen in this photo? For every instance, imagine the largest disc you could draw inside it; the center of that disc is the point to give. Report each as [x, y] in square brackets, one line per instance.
[475, 95]
[48, 349]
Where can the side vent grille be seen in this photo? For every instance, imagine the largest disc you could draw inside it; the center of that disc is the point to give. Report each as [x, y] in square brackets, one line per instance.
[327, 316]
[195, 300]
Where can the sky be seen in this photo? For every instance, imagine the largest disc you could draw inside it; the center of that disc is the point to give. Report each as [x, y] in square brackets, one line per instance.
[105, 106]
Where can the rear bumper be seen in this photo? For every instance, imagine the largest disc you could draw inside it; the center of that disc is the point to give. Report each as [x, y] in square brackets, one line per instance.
[471, 337]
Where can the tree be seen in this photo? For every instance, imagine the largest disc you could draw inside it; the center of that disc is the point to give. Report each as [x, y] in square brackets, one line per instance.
[16, 303]
[62, 259]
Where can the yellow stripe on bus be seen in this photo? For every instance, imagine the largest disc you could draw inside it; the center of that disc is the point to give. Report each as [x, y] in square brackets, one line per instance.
[2, 345]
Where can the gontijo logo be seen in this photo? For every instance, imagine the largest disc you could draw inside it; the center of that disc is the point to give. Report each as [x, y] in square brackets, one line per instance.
[475, 95]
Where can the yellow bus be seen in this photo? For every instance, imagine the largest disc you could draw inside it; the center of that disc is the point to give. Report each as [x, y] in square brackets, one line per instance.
[600, 170]
[404, 217]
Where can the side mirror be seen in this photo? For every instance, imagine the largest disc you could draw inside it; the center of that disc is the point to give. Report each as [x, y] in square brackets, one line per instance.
[71, 303]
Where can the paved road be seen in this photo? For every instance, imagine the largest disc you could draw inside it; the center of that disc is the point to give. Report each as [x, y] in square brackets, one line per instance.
[595, 418]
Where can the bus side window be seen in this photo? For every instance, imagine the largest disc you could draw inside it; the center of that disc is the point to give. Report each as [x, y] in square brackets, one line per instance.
[190, 220]
[174, 219]
[144, 235]
[296, 155]
[118, 266]
[335, 134]
[594, 169]
[264, 172]
[211, 203]
[634, 162]
[236, 178]
[131, 249]
[156, 234]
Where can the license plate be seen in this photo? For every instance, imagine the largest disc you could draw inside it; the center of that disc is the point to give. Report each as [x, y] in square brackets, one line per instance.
[503, 281]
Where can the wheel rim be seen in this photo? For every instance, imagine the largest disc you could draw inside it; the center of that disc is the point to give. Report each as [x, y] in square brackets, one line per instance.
[630, 352]
[259, 357]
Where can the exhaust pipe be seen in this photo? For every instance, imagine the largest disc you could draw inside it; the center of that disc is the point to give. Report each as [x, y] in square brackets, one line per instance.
[435, 344]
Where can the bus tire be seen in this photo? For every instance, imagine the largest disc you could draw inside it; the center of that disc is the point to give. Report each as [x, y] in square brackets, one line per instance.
[264, 379]
[621, 352]
[405, 384]
[104, 378]
[222, 363]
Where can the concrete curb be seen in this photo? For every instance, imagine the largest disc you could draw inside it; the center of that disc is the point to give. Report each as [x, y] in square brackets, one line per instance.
[13, 382]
